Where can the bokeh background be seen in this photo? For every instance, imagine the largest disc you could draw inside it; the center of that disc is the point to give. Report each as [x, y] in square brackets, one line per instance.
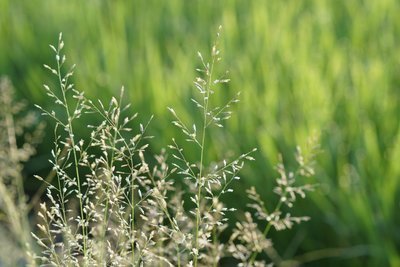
[304, 67]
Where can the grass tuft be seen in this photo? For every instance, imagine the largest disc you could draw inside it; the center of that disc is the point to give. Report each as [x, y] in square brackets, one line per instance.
[114, 203]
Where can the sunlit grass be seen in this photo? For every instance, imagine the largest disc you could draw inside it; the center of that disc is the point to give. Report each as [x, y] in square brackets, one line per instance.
[303, 67]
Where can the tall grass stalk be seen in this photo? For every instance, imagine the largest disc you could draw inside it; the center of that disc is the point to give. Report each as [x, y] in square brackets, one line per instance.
[209, 73]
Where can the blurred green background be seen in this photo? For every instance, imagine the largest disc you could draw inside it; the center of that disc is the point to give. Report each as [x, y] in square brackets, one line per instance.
[303, 67]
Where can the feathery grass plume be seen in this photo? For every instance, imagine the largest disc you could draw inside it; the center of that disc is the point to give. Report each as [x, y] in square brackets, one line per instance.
[207, 181]
[104, 188]
[110, 207]
[247, 241]
[12, 196]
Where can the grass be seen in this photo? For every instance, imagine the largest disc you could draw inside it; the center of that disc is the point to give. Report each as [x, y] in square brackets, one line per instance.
[13, 202]
[109, 206]
[311, 65]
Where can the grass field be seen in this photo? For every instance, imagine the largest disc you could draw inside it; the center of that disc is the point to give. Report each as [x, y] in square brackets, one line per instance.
[304, 68]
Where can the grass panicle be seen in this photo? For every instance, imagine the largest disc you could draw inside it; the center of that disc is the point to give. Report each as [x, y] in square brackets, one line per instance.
[110, 202]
